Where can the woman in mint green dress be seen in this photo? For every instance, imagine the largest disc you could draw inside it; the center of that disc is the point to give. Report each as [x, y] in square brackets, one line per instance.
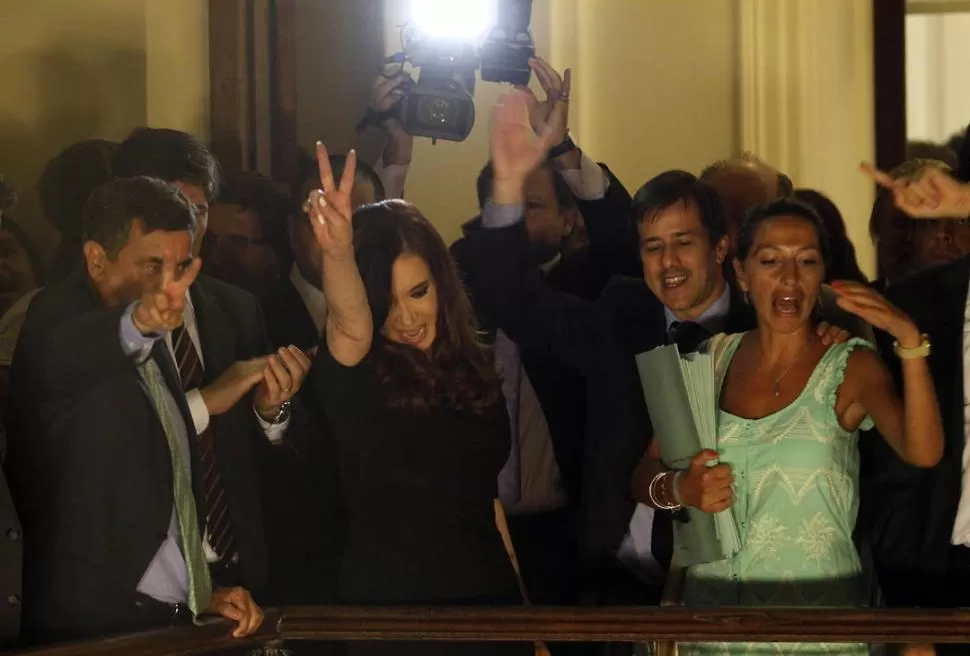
[791, 409]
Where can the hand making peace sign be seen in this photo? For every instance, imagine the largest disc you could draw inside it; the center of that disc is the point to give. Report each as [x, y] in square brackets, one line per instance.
[330, 208]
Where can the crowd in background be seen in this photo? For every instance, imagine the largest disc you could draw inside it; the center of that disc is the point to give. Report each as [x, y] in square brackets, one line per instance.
[226, 392]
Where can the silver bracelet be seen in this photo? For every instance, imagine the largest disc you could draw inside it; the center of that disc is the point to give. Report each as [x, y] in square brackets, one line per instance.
[664, 504]
[676, 487]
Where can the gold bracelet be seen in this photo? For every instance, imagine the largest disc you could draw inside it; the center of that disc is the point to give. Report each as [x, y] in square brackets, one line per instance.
[921, 351]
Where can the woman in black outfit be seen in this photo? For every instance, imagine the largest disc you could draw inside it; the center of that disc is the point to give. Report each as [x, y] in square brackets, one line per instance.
[417, 415]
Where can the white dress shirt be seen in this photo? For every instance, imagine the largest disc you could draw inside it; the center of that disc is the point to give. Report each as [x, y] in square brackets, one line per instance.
[961, 526]
[635, 551]
[314, 299]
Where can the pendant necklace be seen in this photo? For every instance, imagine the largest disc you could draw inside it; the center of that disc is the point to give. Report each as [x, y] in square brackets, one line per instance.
[776, 386]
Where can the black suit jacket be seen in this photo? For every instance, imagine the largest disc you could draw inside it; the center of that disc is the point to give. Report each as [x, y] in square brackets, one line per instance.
[305, 514]
[287, 319]
[230, 325]
[89, 465]
[561, 388]
[911, 511]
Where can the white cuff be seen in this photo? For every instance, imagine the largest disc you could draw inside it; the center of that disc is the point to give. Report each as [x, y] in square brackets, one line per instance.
[200, 413]
[274, 432]
[588, 182]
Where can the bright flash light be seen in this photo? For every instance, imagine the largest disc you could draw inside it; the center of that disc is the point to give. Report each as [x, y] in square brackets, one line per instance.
[453, 19]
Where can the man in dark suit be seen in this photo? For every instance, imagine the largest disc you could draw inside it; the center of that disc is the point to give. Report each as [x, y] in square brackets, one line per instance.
[104, 462]
[919, 519]
[238, 397]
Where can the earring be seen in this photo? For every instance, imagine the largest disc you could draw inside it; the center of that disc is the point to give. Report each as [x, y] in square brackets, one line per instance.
[744, 295]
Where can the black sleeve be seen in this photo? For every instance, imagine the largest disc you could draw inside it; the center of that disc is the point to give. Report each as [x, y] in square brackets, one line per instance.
[509, 293]
[613, 240]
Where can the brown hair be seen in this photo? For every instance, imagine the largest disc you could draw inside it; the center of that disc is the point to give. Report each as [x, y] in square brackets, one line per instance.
[459, 370]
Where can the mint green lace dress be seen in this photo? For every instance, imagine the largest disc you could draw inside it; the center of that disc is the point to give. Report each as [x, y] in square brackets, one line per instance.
[796, 498]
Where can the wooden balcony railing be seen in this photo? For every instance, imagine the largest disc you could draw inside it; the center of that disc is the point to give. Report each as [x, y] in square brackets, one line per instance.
[326, 623]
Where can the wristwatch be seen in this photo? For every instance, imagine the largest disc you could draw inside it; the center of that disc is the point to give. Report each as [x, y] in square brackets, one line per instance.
[282, 414]
[921, 351]
[565, 146]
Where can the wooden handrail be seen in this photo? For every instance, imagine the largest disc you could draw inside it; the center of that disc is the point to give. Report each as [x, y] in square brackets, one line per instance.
[336, 623]
[210, 638]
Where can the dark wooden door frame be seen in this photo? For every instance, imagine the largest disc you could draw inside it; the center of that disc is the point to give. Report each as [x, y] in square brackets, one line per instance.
[239, 122]
[889, 77]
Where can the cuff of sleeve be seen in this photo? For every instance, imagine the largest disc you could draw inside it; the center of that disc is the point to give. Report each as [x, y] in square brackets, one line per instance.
[198, 409]
[501, 216]
[392, 177]
[274, 432]
[133, 341]
[589, 181]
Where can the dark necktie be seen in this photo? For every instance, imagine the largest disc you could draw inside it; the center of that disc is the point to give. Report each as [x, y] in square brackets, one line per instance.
[217, 524]
[687, 335]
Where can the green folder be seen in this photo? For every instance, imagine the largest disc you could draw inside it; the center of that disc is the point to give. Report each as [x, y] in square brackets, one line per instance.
[682, 396]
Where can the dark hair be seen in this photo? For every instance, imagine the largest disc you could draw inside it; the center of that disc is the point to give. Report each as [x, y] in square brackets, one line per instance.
[269, 200]
[673, 187]
[111, 209]
[778, 208]
[308, 172]
[169, 155]
[486, 178]
[963, 157]
[65, 185]
[30, 249]
[931, 150]
[842, 263]
[459, 372]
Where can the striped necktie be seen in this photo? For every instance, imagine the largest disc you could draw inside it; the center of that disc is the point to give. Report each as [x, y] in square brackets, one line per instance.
[200, 585]
[217, 517]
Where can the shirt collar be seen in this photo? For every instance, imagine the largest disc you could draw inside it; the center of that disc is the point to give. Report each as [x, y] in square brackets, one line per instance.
[713, 317]
[314, 299]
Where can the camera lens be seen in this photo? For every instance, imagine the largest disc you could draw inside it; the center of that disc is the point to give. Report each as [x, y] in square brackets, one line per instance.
[437, 112]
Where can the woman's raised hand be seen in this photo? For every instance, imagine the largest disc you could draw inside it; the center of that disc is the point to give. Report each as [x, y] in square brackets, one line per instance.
[869, 305]
[330, 208]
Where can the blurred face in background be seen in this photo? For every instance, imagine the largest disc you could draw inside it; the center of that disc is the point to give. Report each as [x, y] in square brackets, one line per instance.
[16, 270]
[548, 224]
[236, 250]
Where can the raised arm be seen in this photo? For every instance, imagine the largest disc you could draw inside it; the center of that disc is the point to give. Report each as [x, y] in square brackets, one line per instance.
[602, 200]
[503, 278]
[911, 425]
[350, 325]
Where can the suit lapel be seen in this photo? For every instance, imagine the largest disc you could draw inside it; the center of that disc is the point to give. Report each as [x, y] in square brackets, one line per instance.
[215, 332]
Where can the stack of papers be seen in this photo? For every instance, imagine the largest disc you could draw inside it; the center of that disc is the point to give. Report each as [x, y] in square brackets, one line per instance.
[683, 399]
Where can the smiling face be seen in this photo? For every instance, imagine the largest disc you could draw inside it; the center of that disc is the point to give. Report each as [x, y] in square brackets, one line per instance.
[783, 272]
[680, 264]
[413, 315]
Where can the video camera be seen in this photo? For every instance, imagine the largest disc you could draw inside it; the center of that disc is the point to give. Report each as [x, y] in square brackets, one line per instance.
[441, 104]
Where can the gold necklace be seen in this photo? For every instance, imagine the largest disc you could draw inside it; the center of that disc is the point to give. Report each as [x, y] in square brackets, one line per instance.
[776, 386]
